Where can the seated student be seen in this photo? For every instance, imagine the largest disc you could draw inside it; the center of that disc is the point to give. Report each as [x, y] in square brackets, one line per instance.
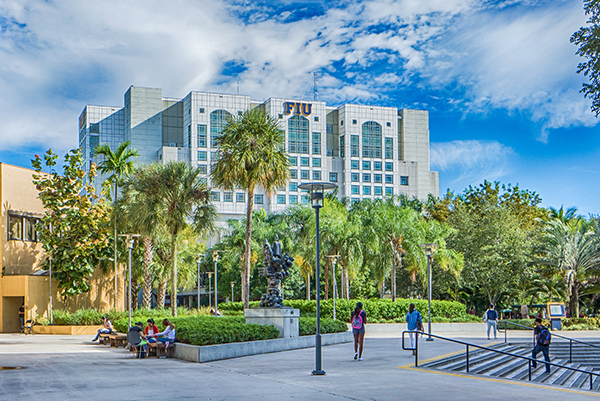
[107, 327]
[143, 344]
[150, 331]
[215, 312]
[167, 336]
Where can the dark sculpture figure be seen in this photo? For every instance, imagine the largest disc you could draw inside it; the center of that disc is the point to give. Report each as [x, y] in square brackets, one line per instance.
[276, 267]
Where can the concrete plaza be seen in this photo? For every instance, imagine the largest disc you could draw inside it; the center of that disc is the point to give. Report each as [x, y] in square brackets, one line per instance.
[72, 367]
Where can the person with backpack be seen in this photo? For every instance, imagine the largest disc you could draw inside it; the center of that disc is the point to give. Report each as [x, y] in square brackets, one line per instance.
[414, 322]
[358, 319]
[491, 318]
[542, 343]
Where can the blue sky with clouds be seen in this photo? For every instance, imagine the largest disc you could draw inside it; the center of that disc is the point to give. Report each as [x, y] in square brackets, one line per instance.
[497, 77]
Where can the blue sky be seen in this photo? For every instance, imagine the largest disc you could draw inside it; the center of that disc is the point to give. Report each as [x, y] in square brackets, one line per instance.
[497, 77]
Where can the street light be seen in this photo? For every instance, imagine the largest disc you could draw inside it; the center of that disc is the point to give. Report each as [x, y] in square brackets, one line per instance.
[429, 250]
[232, 284]
[334, 262]
[199, 260]
[215, 256]
[316, 200]
[209, 289]
[130, 240]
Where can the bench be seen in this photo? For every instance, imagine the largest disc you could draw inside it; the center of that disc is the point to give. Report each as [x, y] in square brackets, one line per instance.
[118, 340]
[160, 351]
[104, 338]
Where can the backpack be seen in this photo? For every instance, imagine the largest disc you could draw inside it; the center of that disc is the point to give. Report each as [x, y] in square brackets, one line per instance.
[545, 337]
[357, 321]
[485, 319]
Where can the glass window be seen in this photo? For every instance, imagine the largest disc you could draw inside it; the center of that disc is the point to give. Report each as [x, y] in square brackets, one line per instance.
[304, 175]
[15, 227]
[293, 161]
[342, 146]
[281, 188]
[388, 124]
[240, 113]
[215, 196]
[342, 123]
[240, 197]
[354, 177]
[259, 199]
[354, 164]
[316, 119]
[371, 134]
[377, 191]
[316, 137]
[30, 229]
[189, 132]
[201, 110]
[94, 141]
[317, 162]
[389, 166]
[317, 175]
[389, 148]
[305, 162]
[281, 116]
[355, 200]
[281, 199]
[294, 174]
[218, 121]
[333, 177]
[201, 136]
[389, 191]
[202, 156]
[355, 190]
[367, 190]
[366, 165]
[354, 143]
[203, 169]
[293, 186]
[377, 179]
[298, 134]
[293, 199]
[214, 156]
[366, 177]
[377, 166]
[403, 180]
[304, 199]
[389, 179]
[227, 196]
[354, 122]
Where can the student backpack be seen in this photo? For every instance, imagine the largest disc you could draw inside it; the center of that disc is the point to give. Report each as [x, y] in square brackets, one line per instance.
[357, 321]
[545, 336]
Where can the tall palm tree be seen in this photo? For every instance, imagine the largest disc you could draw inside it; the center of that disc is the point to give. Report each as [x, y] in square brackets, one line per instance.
[119, 165]
[252, 148]
[177, 196]
[306, 271]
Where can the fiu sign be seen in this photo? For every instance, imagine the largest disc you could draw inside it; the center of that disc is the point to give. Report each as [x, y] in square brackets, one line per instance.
[298, 108]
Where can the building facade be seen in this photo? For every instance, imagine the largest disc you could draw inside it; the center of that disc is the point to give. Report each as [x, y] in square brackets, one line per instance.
[368, 151]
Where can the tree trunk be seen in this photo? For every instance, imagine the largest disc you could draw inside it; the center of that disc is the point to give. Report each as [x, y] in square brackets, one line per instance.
[393, 281]
[326, 277]
[307, 278]
[148, 255]
[346, 285]
[575, 299]
[161, 293]
[174, 275]
[116, 236]
[247, 254]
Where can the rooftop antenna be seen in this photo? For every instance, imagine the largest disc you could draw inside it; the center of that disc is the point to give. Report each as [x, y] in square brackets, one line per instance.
[315, 86]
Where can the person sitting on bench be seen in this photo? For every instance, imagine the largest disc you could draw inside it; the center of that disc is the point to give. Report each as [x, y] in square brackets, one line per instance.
[139, 328]
[167, 336]
[107, 327]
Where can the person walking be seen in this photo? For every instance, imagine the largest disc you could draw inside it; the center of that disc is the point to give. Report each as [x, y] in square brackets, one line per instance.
[491, 317]
[542, 343]
[414, 322]
[358, 319]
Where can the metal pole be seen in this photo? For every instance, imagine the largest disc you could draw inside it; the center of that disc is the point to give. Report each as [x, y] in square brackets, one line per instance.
[429, 296]
[467, 358]
[232, 285]
[318, 370]
[209, 290]
[198, 284]
[334, 286]
[50, 314]
[216, 289]
[130, 248]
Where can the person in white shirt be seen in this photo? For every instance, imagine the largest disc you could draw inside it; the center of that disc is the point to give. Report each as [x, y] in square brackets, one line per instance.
[167, 336]
[107, 327]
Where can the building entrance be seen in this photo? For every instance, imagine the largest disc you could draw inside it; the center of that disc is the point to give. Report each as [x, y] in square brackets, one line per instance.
[10, 314]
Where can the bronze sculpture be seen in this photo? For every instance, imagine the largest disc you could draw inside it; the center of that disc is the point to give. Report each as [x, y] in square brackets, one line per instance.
[276, 267]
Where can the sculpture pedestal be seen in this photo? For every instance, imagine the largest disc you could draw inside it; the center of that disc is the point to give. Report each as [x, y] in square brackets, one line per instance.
[285, 319]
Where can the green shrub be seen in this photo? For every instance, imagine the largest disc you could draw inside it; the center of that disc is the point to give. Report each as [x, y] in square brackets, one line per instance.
[89, 317]
[308, 326]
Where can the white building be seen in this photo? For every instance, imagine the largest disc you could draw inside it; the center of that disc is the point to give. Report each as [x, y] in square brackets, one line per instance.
[369, 151]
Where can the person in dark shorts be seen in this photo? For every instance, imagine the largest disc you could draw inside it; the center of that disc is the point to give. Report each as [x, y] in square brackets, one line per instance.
[358, 319]
[22, 315]
[542, 343]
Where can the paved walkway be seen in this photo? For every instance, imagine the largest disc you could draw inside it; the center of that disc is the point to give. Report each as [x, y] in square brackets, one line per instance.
[71, 367]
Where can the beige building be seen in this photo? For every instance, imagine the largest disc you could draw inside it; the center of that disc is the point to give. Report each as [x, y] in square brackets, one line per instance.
[23, 281]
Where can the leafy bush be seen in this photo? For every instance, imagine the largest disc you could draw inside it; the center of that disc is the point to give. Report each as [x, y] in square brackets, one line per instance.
[90, 317]
[308, 326]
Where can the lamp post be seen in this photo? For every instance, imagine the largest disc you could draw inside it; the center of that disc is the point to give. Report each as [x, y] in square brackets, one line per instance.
[50, 272]
[199, 260]
[209, 289]
[316, 199]
[334, 259]
[429, 249]
[232, 285]
[130, 240]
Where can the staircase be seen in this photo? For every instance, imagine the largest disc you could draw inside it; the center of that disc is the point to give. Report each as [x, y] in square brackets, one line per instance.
[492, 364]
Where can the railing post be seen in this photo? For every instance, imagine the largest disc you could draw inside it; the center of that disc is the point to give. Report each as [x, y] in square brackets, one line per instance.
[505, 330]
[591, 384]
[467, 358]
[416, 349]
[570, 351]
[529, 369]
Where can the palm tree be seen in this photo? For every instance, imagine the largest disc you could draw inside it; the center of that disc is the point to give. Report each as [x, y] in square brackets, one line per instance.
[119, 165]
[252, 148]
[305, 271]
[177, 195]
[564, 215]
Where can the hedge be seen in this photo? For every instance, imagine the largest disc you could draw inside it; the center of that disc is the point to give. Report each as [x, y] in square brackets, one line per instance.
[568, 324]
[308, 326]
[90, 317]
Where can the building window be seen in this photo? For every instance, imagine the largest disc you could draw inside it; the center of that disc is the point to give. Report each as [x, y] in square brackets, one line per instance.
[94, 141]
[240, 113]
[281, 199]
[355, 190]
[388, 124]
[389, 179]
[316, 138]
[259, 199]
[355, 200]
[293, 187]
[201, 110]
[354, 143]
[281, 188]
[202, 156]
[15, 227]
[189, 132]
[316, 119]
[389, 148]
[366, 165]
[293, 161]
[280, 116]
[218, 120]
[354, 177]
[389, 166]
[342, 146]
[294, 174]
[377, 166]
[317, 175]
[293, 199]
[298, 141]
[371, 134]
[367, 190]
[304, 162]
[215, 196]
[389, 191]
[304, 175]
[240, 197]
[227, 196]
[366, 177]
[201, 136]
[354, 122]
[403, 180]
[30, 229]
[354, 164]
[377, 191]
[214, 156]
[317, 162]
[342, 123]
[202, 169]
[377, 179]
[333, 177]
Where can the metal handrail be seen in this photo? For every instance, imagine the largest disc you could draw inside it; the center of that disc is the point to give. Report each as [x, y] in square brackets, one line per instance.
[530, 360]
[571, 340]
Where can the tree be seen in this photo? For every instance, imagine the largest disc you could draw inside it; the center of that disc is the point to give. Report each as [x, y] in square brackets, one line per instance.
[75, 227]
[177, 194]
[588, 40]
[252, 150]
[118, 164]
